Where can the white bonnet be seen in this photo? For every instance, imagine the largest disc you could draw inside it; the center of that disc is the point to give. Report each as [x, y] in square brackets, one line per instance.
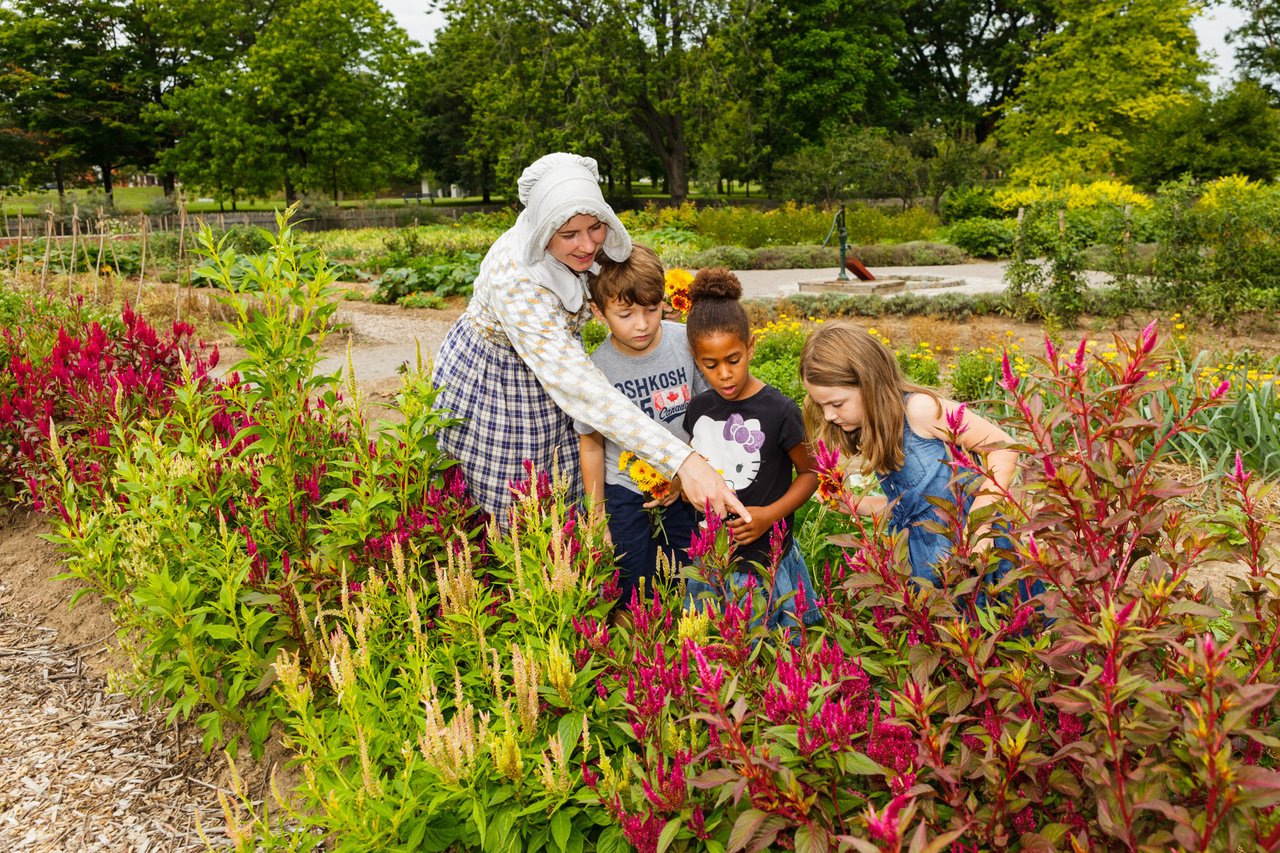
[556, 188]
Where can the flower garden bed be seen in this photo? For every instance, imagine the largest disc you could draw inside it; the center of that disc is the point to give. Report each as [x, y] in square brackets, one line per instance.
[276, 560]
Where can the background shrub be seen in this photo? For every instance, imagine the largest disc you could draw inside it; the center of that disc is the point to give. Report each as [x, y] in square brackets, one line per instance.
[729, 257]
[983, 238]
[961, 203]
[795, 257]
[913, 254]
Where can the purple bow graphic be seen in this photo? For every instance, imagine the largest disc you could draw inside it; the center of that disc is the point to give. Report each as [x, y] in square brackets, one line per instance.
[736, 430]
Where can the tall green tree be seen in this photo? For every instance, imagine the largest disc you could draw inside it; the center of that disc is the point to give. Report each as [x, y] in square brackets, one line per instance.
[67, 86]
[958, 61]
[1258, 40]
[441, 89]
[316, 103]
[567, 73]
[835, 61]
[1235, 133]
[735, 121]
[179, 43]
[1098, 81]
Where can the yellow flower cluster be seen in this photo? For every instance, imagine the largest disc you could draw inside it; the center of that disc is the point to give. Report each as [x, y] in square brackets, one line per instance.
[677, 283]
[1073, 196]
[644, 475]
[782, 325]
[560, 671]
[1228, 191]
[878, 335]
[1242, 377]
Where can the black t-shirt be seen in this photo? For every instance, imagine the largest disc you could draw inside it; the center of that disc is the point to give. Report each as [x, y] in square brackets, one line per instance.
[749, 442]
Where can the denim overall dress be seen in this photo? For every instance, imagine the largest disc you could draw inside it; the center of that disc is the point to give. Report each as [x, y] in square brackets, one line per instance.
[925, 473]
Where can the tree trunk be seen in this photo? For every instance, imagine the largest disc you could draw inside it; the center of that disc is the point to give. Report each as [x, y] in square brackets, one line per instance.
[60, 180]
[170, 183]
[666, 136]
[108, 189]
[334, 173]
[290, 193]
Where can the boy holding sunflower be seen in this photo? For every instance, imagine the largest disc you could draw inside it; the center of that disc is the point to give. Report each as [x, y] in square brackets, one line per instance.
[648, 360]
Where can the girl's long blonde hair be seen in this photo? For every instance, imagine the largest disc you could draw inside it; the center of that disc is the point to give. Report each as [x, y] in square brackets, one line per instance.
[842, 355]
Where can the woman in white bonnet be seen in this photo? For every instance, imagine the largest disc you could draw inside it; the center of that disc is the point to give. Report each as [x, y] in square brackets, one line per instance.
[513, 367]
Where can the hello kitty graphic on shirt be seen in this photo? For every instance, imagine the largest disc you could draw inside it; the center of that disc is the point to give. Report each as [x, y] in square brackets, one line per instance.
[732, 447]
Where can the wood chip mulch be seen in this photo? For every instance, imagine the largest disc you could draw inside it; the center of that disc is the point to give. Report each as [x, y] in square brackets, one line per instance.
[84, 769]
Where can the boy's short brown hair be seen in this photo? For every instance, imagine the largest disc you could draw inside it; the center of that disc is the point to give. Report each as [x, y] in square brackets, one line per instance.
[639, 280]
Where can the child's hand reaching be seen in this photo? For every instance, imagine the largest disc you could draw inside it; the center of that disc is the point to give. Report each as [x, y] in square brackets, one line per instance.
[761, 523]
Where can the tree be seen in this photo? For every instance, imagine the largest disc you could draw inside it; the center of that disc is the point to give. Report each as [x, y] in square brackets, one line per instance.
[736, 119]
[1236, 133]
[852, 162]
[959, 60]
[1098, 81]
[835, 62]
[440, 87]
[316, 103]
[172, 41]
[1258, 40]
[564, 73]
[66, 84]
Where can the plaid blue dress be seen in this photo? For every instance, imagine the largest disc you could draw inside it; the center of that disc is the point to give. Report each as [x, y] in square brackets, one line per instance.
[514, 370]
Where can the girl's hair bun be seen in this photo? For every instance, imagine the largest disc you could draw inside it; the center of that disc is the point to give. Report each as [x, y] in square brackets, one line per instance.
[715, 282]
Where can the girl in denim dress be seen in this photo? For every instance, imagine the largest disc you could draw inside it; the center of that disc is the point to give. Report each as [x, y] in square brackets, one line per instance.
[859, 401]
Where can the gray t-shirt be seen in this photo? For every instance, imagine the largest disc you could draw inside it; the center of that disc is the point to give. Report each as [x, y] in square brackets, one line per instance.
[660, 382]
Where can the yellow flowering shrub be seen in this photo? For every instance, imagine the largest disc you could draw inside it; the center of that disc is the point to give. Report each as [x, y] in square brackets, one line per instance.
[1073, 196]
[1230, 190]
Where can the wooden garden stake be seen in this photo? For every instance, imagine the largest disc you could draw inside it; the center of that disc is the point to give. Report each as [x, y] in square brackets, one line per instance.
[142, 273]
[48, 247]
[114, 257]
[21, 225]
[97, 267]
[75, 232]
[182, 253]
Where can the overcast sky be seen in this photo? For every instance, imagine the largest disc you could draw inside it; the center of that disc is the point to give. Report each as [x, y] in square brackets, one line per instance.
[1212, 26]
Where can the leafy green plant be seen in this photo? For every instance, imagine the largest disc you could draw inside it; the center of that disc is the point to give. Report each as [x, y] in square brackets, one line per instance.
[441, 275]
[920, 365]
[466, 695]
[248, 507]
[395, 284]
[961, 203]
[1045, 276]
[973, 376]
[1247, 421]
[982, 238]
[593, 334]
[422, 300]
[729, 257]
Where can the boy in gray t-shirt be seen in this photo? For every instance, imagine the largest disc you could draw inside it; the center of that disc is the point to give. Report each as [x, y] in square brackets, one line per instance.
[647, 359]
